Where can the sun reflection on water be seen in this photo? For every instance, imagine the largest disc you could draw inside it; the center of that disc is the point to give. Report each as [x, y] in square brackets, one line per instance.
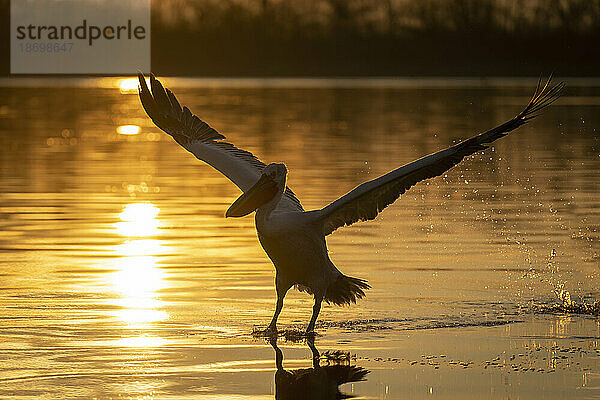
[141, 341]
[137, 279]
[128, 129]
[138, 219]
[137, 276]
[128, 85]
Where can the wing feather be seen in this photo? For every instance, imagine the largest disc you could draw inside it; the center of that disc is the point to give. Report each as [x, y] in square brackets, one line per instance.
[196, 136]
[366, 201]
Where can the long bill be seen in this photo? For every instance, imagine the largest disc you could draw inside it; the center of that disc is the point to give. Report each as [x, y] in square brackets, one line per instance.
[259, 194]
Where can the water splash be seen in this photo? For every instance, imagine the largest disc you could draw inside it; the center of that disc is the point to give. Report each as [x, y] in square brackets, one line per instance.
[556, 280]
[567, 305]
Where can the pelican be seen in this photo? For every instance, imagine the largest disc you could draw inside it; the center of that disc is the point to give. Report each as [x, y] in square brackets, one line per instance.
[294, 239]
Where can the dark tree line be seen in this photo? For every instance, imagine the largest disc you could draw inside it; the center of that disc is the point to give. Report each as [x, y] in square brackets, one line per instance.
[371, 37]
[376, 37]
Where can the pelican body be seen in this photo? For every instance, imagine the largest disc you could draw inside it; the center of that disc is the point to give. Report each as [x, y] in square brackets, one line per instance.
[294, 239]
[295, 243]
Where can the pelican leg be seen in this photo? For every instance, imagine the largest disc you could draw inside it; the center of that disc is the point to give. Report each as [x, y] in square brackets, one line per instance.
[273, 325]
[315, 314]
[281, 292]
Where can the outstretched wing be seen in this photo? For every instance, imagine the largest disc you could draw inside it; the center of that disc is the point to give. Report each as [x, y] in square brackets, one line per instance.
[367, 200]
[197, 137]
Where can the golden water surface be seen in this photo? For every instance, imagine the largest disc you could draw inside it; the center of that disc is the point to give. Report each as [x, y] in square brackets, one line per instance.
[121, 278]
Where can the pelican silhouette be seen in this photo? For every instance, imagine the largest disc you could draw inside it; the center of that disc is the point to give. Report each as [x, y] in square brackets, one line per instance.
[318, 382]
[294, 239]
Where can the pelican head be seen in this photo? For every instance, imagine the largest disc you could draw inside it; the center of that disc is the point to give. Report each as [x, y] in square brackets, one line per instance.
[266, 191]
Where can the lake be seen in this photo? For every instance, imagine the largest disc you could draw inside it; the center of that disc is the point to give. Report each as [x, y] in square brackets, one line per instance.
[121, 278]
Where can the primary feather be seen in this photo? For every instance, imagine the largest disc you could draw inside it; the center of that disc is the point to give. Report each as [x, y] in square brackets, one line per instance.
[366, 201]
[240, 166]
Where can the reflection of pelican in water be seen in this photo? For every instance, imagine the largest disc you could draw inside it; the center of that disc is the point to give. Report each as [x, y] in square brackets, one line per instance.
[318, 382]
[294, 239]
